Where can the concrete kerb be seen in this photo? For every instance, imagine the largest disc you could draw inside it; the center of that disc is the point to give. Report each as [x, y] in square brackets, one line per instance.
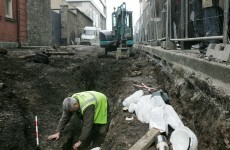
[10, 45]
[217, 71]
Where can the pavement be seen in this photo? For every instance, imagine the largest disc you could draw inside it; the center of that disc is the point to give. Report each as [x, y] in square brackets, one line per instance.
[218, 71]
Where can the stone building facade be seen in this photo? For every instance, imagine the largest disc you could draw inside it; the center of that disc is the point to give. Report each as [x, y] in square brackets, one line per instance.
[39, 22]
[72, 24]
[94, 9]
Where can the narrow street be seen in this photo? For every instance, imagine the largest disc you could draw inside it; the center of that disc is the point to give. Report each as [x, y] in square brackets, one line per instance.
[115, 75]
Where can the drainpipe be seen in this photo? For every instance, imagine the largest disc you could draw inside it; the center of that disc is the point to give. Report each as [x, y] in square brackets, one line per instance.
[18, 23]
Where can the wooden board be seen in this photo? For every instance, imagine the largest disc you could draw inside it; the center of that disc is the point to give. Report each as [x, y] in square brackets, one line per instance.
[49, 53]
[146, 140]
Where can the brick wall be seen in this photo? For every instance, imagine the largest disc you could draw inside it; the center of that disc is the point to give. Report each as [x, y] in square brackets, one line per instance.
[13, 30]
[22, 24]
[8, 27]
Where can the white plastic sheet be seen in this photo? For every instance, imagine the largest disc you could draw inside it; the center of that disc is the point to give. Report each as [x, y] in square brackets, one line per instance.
[157, 101]
[133, 98]
[172, 117]
[144, 106]
[157, 119]
[161, 117]
[154, 111]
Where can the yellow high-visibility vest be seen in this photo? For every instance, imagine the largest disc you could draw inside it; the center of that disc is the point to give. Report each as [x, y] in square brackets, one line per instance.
[97, 99]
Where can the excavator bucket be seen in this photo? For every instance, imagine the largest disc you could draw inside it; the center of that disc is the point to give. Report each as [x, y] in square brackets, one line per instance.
[122, 53]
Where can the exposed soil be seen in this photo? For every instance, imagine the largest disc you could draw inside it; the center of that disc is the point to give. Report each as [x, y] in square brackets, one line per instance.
[34, 89]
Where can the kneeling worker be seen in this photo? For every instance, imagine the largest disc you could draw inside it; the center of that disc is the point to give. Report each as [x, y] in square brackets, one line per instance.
[93, 109]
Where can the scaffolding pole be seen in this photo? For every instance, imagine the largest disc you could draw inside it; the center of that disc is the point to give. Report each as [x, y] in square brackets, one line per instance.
[186, 19]
[226, 19]
[199, 38]
[170, 19]
[167, 23]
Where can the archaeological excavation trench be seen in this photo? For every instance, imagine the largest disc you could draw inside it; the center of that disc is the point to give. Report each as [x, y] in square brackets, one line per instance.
[33, 89]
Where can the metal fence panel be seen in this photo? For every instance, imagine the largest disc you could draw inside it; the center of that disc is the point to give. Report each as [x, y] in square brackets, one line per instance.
[205, 21]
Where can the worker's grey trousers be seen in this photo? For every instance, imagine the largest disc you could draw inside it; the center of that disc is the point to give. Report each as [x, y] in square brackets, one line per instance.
[95, 139]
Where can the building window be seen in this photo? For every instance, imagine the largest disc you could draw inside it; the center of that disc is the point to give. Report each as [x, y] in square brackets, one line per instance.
[9, 11]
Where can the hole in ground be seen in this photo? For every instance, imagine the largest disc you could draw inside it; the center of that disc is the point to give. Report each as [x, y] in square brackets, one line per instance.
[38, 90]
